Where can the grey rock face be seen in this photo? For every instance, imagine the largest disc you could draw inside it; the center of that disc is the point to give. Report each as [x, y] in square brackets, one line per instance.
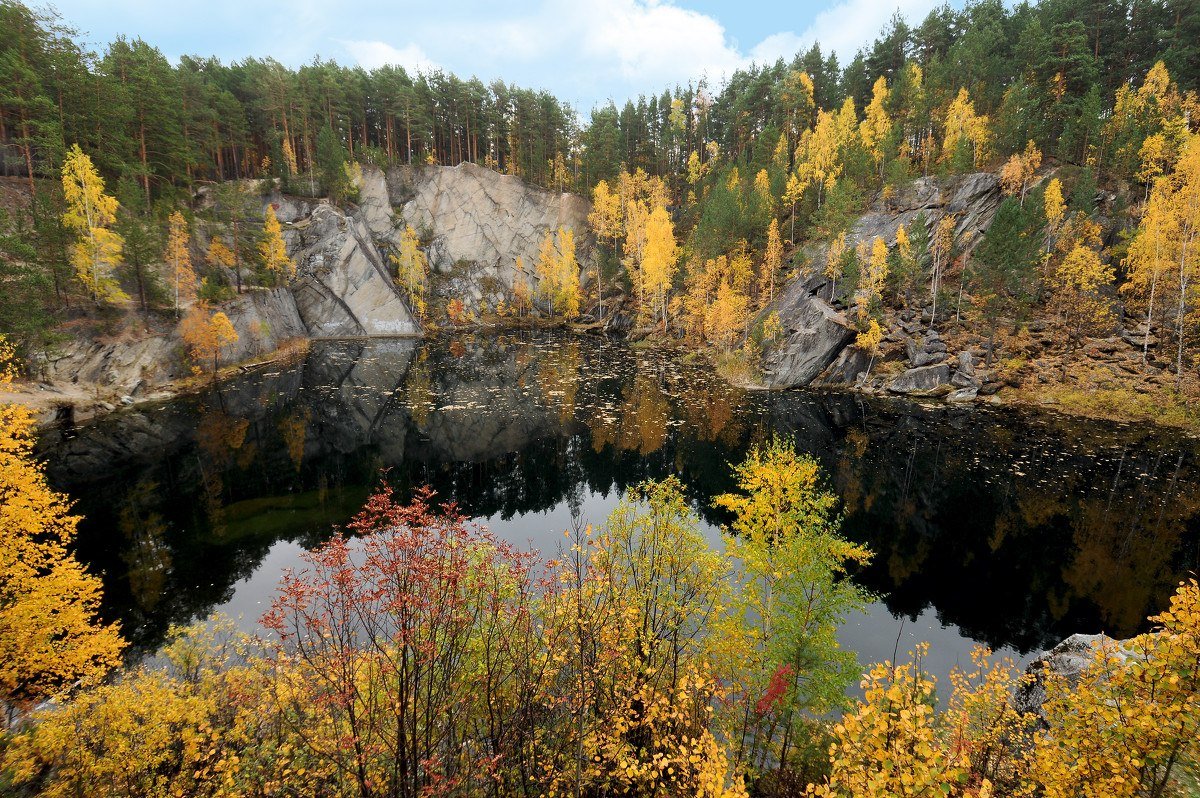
[924, 381]
[962, 395]
[961, 379]
[262, 320]
[814, 334]
[972, 199]
[479, 222]
[343, 287]
[846, 370]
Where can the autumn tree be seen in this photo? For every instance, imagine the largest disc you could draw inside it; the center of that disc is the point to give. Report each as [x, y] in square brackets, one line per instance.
[605, 222]
[273, 251]
[1150, 261]
[966, 135]
[558, 273]
[1076, 295]
[219, 256]
[876, 126]
[1170, 233]
[1054, 208]
[91, 213]
[412, 270]
[872, 277]
[205, 334]
[896, 743]
[772, 260]
[407, 611]
[1019, 170]
[658, 264]
[178, 257]
[1131, 720]
[51, 638]
[784, 658]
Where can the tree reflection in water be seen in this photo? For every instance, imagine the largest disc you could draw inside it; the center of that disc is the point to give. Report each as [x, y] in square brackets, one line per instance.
[1013, 527]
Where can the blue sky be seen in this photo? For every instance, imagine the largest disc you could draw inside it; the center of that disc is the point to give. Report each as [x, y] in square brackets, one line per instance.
[584, 52]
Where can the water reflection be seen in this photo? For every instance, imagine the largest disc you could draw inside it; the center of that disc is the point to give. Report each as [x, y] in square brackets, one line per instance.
[1009, 528]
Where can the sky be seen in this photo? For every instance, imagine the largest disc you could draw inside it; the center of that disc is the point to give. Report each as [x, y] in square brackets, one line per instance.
[584, 52]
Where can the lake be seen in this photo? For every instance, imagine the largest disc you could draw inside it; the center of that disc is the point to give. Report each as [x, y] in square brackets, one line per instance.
[991, 525]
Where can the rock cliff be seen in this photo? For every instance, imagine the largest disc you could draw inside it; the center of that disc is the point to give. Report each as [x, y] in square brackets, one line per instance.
[475, 222]
[132, 365]
[478, 222]
[815, 340]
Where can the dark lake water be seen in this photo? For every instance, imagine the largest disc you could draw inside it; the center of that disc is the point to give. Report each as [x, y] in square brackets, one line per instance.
[1008, 528]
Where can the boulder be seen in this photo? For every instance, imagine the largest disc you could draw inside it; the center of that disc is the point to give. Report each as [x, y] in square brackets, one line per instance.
[924, 381]
[814, 334]
[1070, 659]
[926, 358]
[846, 370]
[962, 379]
[962, 395]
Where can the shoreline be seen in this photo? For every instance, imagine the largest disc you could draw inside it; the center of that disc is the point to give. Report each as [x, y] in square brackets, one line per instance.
[87, 402]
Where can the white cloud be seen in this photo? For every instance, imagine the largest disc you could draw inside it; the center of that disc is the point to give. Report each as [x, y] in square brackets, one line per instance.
[783, 45]
[852, 24]
[650, 40]
[374, 54]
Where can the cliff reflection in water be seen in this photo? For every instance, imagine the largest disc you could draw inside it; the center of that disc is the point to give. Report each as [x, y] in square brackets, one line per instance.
[1016, 528]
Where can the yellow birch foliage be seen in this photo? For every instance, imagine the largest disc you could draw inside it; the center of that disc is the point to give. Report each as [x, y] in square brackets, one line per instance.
[1150, 262]
[568, 274]
[272, 249]
[50, 637]
[658, 263]
[1019, 170]
[963, 125]
[1054, 205]
[179, 258]
[412, 269]
[772, 260]
[876, 124]
[818, 155]
[289, 156]
[605, 218]
[1075, 286]
[890, 745]
[871, 277]
[219, 254]
[89, 213]
[546, 269]
[869, 339]
[1131, 717]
